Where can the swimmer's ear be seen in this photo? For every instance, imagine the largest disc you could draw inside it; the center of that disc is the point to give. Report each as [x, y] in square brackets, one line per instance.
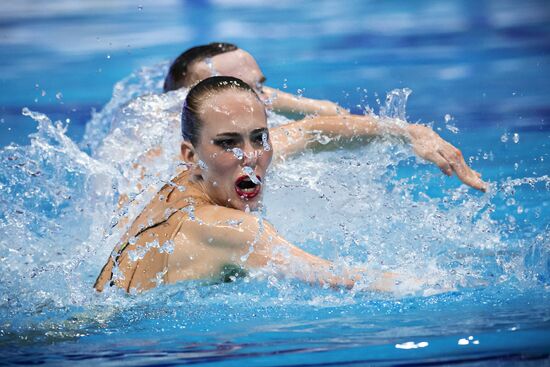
[188, 153]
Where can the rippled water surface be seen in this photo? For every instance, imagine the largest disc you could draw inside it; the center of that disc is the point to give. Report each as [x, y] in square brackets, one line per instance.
[80, 78]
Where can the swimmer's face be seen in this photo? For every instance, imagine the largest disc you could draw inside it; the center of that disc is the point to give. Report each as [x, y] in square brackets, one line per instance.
[239, 64]
[234, 148]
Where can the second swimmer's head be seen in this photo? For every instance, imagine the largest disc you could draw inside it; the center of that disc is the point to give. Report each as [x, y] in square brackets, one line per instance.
[213, 59]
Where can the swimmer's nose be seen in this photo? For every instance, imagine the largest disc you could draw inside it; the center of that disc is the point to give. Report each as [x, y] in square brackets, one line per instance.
[250, 155]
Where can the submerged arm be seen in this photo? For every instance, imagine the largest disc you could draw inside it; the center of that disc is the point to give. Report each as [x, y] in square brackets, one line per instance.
[299, 135]
[253, 243]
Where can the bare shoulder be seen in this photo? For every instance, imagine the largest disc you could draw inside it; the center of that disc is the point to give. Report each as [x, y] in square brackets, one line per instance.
[224, 226]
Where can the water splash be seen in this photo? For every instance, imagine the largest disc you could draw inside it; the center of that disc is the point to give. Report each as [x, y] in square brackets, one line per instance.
[249, 171]
[142, 82]
[372, 206]
[395, 105]
[56, 202]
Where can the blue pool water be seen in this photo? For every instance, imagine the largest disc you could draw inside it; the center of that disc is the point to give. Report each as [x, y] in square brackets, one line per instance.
[65, 72]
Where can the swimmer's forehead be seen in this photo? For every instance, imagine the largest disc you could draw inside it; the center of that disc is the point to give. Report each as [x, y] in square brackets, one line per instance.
[233, 108]
[238, 63]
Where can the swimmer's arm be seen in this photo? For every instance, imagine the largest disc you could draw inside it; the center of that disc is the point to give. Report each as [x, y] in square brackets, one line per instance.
[255, 244]
[296, 136]
[286, 103]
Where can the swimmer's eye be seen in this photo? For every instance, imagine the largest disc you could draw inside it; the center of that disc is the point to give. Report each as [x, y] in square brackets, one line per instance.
[226, 143]
[259, 138]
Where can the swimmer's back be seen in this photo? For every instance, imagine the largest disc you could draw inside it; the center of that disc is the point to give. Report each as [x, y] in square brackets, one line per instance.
[164, 229]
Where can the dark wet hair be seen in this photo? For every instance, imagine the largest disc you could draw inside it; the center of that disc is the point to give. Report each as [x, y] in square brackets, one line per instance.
[180, 67]
[190, 120]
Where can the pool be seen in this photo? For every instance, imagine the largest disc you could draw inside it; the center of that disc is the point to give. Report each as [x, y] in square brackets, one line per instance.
[478, 73]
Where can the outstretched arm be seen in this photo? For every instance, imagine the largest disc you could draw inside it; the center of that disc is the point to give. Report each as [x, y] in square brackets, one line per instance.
[286, 103]
[296, 136]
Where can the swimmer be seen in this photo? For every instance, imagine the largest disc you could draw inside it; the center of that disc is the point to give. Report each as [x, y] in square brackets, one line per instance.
[192, 66]
[226, 59]
[217, 58]
[200, 224]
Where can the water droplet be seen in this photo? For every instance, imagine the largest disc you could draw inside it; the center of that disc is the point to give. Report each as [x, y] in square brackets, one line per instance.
[108, 56]
[168, 212]
[58, 95]
[233, 223]
[238, 153]
[140, 7]
[202, 165]
[208, 61]
[250, 173]
[265, 142]
[504, 138]
[452, 128]
[516, 138]
[167, 247]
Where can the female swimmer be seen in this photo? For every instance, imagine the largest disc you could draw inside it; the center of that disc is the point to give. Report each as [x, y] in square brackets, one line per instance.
[200, 224]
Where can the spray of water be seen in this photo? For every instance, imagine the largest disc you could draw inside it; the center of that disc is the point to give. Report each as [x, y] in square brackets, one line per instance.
[368, 206]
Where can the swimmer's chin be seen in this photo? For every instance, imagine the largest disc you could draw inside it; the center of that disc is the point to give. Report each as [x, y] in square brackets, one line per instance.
[247, 205]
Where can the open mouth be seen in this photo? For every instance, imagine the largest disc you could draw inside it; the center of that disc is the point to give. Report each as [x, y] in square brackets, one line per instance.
[246, 188]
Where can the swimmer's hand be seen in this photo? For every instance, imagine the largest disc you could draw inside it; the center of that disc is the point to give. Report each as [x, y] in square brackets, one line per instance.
[429, 145]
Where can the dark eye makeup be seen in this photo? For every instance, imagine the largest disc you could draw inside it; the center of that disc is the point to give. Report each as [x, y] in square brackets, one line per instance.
[226, 143]
[233, 140]
[258, 136]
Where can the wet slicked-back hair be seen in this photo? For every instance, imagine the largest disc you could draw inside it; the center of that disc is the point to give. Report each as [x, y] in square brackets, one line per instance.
[180, 67]
[190, 120]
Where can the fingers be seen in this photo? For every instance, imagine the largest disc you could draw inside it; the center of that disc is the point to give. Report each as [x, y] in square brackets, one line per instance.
[441, 162]
[465, 174]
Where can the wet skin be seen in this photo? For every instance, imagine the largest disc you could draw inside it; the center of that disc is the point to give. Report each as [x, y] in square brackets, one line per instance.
[233, 136]
[240, 64]
[209, 225]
